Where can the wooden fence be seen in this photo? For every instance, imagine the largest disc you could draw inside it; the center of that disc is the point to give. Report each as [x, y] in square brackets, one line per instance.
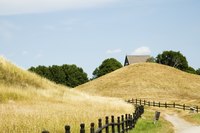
[122, 125]
[166, 105]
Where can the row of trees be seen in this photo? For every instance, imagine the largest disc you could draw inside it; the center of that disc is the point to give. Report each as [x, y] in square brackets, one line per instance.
[69, 75]
[72, 76]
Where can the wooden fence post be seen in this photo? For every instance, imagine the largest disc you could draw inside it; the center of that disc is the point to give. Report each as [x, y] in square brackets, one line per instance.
[183, 106]
[113, 124]
[126, 122]
[118, 125]
[165, 105]
[153, 103]
[131, 121]
[122, 123]
[136, 100]
[92, 128]
[107, 122]
[144, 102]
[174, 105]
[132, 101]
[67, 129]
[159, 104]
[197, 109]
[100, 125]
[82, 130]
[140, 101]
[149, 103]
[134, 119]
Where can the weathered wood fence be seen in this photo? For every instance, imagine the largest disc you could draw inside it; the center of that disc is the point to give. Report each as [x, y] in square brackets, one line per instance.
[166, 105]
[122, 125]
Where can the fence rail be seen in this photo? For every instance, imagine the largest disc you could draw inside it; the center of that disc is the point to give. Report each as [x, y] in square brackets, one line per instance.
[166, 105]
[122, 125]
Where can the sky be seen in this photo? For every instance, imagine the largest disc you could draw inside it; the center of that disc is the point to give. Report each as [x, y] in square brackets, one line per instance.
[86, 32]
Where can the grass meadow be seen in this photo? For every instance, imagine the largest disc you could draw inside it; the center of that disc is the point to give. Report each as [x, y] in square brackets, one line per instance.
[30, 103]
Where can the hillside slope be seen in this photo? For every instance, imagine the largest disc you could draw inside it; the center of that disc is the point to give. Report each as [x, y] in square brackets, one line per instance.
[146, 81]
[30, 103]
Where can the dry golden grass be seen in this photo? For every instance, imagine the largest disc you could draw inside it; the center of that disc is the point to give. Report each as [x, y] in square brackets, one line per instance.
[30, 104]
[149, 81]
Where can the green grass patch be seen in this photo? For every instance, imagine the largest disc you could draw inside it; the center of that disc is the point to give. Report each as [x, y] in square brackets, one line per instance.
[195, 118]
[145, 124]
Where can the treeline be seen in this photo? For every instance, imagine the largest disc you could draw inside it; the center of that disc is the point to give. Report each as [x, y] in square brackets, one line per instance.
[72, 76]
[174, 59]
[69, 75]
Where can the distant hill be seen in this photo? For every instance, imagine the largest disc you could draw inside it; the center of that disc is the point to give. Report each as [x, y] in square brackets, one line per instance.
[147, 81]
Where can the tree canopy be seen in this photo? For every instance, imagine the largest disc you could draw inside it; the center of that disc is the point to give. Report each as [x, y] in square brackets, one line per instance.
[69, 75]
[107, 66]
[174, 59]
[198, 71]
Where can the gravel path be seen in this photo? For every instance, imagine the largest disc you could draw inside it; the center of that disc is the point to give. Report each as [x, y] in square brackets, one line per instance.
[182, 126]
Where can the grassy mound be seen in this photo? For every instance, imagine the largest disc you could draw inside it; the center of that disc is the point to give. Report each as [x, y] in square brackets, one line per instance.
[147, 81]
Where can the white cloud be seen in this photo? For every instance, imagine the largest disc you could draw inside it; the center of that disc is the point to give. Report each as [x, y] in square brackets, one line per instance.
[142, 51]
[113, 51]
[11, 7]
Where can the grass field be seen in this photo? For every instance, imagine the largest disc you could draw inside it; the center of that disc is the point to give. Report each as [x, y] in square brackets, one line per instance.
[148, 81]
[29, 103]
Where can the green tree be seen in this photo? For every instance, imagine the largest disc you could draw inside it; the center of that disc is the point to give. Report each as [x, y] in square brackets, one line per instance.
[69, 75]
[174, 59]
[107, 66]
[74, 75]
[57, 74]
[191, 70]
[198, 71]
[42, 71]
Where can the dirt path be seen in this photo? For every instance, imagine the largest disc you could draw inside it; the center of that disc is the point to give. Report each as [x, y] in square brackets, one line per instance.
[182, 126]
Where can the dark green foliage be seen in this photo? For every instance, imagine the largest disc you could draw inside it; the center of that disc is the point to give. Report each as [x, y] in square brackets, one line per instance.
[74, 75]
[174, 59]
[58, 74]
[151, 59]
[107, 66]
[198, 71]
[191, 70]
[69, 75]
[42, 71]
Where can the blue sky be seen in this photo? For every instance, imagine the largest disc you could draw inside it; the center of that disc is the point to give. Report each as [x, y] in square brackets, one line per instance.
[85, 32]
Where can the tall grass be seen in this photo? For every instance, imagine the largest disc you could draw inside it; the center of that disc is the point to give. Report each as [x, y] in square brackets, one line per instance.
[29, 103]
